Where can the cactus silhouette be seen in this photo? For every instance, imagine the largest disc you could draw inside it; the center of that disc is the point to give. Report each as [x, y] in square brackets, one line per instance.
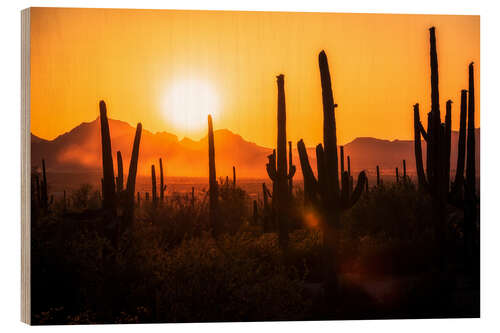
[109, 198]
[378, 176]
[438, 138]
[277, 170]
[213, 190]
[470, 199]
[108, 183]
[119, 177]
[234, 176]
[417, 130]
[333, 198]
[310, 182]
[447, 142]
[470, 172]
[153, 185]
[458, 184]
[163, 187]
[290, 167]
[134, 159]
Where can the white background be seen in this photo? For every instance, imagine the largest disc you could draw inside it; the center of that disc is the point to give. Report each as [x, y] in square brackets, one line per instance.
[490, 161]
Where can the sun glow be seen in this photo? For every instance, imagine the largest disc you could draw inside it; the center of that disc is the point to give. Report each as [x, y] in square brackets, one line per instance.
[187, 104]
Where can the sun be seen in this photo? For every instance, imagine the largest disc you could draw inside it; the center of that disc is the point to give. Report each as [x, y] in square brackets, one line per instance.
[188, 102]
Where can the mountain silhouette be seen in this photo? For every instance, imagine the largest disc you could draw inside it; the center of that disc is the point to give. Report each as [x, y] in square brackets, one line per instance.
[79, 150]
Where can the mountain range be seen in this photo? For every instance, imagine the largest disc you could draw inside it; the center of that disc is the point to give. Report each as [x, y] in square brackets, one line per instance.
[79, 150]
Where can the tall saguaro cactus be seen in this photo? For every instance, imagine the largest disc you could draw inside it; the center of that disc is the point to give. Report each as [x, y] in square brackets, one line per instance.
[470, 199]
[153, 185]
[213, 190]
[438, 138]
[470, 172]
[332, 198]
[109, 198]
[277, 169]
[163, 187]
[457, 186]
[108, 184]
[234, 176]
[134, 159]
[119, 178]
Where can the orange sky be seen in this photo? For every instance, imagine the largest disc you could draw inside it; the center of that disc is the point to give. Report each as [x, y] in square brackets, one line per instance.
[131, 58]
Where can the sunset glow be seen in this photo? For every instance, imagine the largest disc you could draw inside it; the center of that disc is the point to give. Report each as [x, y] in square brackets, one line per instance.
[133, 59]
[187, 104]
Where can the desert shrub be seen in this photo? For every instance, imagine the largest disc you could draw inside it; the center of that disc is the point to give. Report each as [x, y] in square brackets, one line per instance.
[198, 282]
[233, 210]
[85, 198]
[396, 210]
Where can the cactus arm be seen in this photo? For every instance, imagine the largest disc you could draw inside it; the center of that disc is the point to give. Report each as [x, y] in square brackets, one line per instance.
[358, 190]
[271, 168]
[310, 182]
[134, 159]
[307, 171]
[422, 129]
[418, 146]
[119, 178]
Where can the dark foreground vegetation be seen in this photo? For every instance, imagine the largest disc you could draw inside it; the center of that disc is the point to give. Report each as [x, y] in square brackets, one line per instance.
[330, 249]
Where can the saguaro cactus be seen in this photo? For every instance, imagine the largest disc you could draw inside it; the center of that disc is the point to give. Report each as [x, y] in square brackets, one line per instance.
[134, 159]
[378, 176]
[132, 174]
[310, 182]
[234, 176]
[153, 185]
[108, 188]
[333, 199]
[277, 170]
[119, 178]
[470, 210]
[213, 190]
[457, 186]
[447, 144]
[470, 172]
[163, 187]
[438, 137]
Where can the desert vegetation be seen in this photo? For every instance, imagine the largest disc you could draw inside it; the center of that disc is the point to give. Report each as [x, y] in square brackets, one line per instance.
[331, 246]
